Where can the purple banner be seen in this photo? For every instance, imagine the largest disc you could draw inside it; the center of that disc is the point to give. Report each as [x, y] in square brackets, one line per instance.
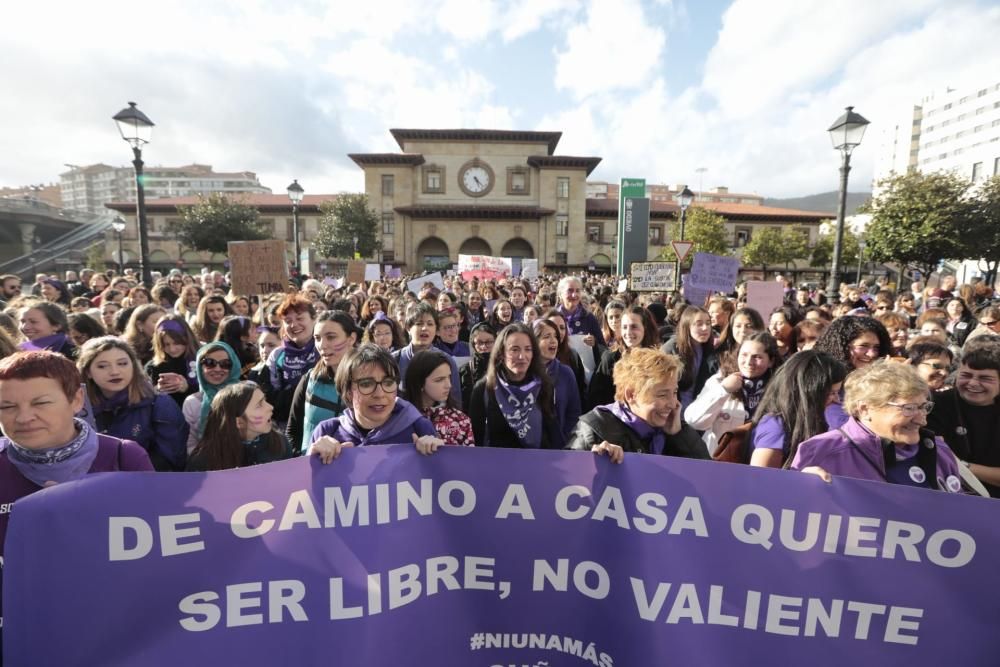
[486, 557]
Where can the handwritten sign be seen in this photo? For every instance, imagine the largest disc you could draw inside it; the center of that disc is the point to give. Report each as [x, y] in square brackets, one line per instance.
[529, 268]
[355, 271]
[484, 266]
[372, 272]
[417, 284]
[654, 276]
[258, 267]
[765, 295]
[714, 272]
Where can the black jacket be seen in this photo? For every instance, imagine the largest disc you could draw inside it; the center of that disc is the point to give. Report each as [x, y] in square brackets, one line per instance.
[599, 425]
[490, 428]
[709, 365]
[602, 382]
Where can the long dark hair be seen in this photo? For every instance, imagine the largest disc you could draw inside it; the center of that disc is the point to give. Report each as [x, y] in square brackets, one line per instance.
[730, 363]
[564, 353]
[231, 331]
[686, 344]
[421, 366]
[221, 447]
[650, 333]
[797, 395]
[203, 328]
[535, 370]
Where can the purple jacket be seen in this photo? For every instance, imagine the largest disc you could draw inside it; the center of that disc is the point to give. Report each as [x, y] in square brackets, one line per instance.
[862, 459]
[404, 421]
[156, 424]
[567, 397]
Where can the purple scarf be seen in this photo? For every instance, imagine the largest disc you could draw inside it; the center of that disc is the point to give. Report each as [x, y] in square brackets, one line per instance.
[552, 368]
[52, 343]
[638, 426]
[520, 408]
[400, 421]
[57, 464]
[297, 360]
[573, 319]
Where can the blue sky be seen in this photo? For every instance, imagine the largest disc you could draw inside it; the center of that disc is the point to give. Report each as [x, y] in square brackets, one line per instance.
[657, 88]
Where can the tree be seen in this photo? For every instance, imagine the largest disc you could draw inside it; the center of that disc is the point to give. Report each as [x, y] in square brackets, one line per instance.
[920, 219]
[773, 245]
[706, 229]
[983, 236]
[822, 252]
[794, 243]
[343, 220]
[216, 220]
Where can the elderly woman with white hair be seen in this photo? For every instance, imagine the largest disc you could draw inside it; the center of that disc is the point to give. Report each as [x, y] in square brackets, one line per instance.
[579, 320]
[885, 438]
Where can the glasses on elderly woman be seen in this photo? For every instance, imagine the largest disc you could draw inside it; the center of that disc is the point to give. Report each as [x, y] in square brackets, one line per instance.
[912, 409]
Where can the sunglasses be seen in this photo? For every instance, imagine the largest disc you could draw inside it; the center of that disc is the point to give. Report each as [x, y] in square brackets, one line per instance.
[225, 364]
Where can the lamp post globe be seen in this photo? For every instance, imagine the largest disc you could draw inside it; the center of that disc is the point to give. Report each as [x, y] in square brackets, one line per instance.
[684, 199]
[137, 129]
[119, 226]
[845, 135]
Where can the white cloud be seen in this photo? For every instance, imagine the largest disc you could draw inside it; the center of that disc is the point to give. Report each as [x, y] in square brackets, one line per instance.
[613, 48]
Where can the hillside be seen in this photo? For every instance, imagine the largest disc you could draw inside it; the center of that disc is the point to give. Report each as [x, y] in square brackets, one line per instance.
[824, 202]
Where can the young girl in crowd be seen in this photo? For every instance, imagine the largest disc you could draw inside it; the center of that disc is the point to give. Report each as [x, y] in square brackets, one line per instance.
[428, 388]
[385, 333]
[609, 326]
[693, 345]
[218, 367]
[635, 329]
[239, 432]
[126, 405]
[782, 328]
[140, 328]
[513, 405]
[501, 315]
[172, 369]
[566, 393]
[237, 332]
[45, 327]
[316, 398]
[211, 310]
[422, 324]
[188, 301]
[731, 397]
[295, 357]
[83, 327]
[267, 341]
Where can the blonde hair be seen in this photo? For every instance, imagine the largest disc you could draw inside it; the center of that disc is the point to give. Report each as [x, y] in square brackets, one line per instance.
[641, 369]
[879, 384]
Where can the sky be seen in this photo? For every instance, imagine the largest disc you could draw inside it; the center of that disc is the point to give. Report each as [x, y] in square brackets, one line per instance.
[700, 92]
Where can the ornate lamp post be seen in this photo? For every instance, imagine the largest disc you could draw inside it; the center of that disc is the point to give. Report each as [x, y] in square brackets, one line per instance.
[845, 134]
[685, 197]
[296, 193]
[136, 129]
[119, 226]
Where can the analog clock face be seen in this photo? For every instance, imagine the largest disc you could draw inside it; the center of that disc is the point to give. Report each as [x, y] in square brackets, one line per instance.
[476, 180]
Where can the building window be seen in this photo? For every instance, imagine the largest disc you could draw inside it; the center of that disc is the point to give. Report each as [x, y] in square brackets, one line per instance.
[594, 230]
[561, 258]
[388, 256]
[518, 181]
[388, 223]
[562, 225]
[387, 185]
[996, 166]
[977, 171]
[655, 235]
[743, 236]
[433, 179]
[562, 187]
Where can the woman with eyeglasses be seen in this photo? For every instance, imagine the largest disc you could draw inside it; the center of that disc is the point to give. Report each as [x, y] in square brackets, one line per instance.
[368, 381]
[933, 361]
[218, 367]
[855, 341]
[449, 326]
[481, 341]
[886, 437]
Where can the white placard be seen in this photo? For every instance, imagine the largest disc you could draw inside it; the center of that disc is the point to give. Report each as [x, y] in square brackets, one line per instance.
[418, 284]
[372, 272]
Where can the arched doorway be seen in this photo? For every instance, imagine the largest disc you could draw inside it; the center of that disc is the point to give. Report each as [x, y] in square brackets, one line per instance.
[475, 246]
[600, 262]
[433, 255]
[517, 248]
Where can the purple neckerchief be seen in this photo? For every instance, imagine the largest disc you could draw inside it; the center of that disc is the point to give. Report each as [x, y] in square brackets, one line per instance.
[57, 464]
[552, 368]
[573, 319]
[520, 408]
[401, 419]
[297, 360]
[51, 343]
[112, 403]
[638, 426]
[172, 326]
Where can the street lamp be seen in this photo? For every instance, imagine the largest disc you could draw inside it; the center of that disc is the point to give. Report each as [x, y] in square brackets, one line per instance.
[685, 197]
[845, 134]
[861, 256]
[296, 193]
[136, 129]
[356, 246]
[119, 226]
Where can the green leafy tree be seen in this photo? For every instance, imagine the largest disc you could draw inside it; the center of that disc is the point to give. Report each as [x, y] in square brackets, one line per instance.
[920, 219]
[343, 220]
[216, 220]
[766, 247]
[983, 236]
[794, 243]
[822, 252]
[706, 229]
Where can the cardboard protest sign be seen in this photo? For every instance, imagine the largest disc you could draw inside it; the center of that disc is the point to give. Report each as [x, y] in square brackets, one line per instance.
[355, 271]
[258, 267]
[653, 276]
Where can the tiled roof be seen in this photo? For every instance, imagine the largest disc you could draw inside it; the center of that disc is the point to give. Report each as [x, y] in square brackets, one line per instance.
[509, 136]
[599, 208]
[310, 203]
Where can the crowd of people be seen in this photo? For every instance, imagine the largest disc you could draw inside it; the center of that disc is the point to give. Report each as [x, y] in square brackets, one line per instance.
[97, 372]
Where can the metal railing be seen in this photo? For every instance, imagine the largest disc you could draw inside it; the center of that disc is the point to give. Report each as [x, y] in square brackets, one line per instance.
[69, 248]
